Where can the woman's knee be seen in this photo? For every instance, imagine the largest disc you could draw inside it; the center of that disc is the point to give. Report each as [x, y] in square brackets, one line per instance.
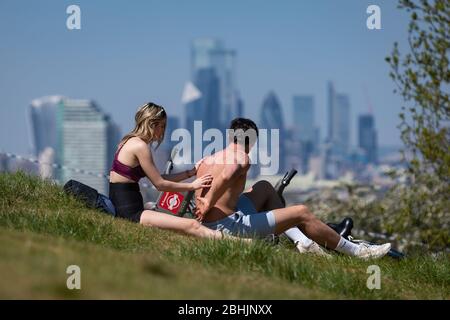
[193, 225]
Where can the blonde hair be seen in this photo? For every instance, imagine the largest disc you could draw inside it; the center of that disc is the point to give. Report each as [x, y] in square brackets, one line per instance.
[146, 118]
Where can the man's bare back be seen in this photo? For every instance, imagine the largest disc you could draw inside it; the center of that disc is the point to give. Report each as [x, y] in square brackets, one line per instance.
[220, 165]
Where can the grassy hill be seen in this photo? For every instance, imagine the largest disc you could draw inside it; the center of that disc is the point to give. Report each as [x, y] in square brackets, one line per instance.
[42, 231]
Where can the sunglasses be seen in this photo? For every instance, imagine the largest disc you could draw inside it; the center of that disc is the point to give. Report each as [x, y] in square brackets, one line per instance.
[150, 105]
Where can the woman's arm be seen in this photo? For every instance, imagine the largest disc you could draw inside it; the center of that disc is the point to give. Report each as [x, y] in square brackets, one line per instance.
[183, 175]
[145, 159]
[176, 177]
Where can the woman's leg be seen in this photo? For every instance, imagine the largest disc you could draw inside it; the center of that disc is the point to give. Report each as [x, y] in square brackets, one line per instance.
[186, 226]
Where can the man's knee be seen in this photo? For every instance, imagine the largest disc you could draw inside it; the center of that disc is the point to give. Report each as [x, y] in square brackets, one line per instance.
[303, 214]
[264, 186]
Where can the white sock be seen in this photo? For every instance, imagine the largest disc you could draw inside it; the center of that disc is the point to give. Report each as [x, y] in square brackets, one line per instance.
[298, 237]
[347, 247]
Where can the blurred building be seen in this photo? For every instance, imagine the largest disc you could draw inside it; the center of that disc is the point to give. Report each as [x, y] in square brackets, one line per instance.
[239, 108]
[213, 72]
[86, 139]
[4, 163]
[43, 112]
[341, 127]
[367, 137]
[272, 118]
[293, 150]
[338, 140]
[46, 159]
[304, 129]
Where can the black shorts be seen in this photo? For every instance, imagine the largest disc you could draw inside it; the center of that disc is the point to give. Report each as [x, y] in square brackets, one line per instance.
[127, 200]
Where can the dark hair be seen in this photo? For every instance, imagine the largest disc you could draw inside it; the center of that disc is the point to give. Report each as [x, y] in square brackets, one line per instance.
[243, 124]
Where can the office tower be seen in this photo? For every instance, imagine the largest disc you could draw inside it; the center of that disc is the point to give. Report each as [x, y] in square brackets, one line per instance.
[338, 122]
[213, 73]
[293, 149]
[239, 108]
[85, 138]
[43, 122]
[342, 129]
[209, 104]
[304, 117]
[272, 118]
[224, 62]
[304, 129]
[338, 140]
[201, 56]
[367, 137]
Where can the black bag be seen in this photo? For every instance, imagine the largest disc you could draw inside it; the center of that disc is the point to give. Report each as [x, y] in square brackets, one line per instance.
[89, 196]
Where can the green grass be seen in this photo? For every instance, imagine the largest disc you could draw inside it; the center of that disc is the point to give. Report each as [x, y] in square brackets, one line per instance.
[42, 231]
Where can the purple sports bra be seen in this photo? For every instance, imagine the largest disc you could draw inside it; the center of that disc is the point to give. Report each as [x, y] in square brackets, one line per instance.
[134, 174]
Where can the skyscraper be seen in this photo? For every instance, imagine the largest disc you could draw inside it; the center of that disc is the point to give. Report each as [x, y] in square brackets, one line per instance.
[367, 137]
[338, 140]
[213, 73]
[304, 117]
[272, 118]
[338, 121]
[342, 123]
[86, 139]
[43, 122]
[209, 104]
[239, 108]
[304, 129]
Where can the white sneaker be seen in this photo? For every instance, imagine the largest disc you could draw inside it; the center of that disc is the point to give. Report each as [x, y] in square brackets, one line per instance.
[368, 251]
[313, 248]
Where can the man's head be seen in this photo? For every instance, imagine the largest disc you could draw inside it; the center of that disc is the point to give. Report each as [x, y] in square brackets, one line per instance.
[243, 132]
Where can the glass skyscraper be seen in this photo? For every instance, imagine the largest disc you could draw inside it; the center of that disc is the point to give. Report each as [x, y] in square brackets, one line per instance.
[341, 128]
[43, 123]
[367, 137]
[87, 139]
[213, 73]
[304, 129]
[304, 117]
[338, 140]
[338, 121]
[272, 118]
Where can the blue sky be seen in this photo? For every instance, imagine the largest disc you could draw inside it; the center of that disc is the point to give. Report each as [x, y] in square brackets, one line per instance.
[129, 52]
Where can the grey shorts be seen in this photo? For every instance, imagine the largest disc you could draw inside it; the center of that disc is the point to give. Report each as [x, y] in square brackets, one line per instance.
[246, 221]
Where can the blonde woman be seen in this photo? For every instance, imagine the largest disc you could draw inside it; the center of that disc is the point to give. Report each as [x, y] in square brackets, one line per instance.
[133, 161]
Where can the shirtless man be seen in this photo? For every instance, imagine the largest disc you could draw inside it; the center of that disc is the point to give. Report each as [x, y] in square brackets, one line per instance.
[223, 206]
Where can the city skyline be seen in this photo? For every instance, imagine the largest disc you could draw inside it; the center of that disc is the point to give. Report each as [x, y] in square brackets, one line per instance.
[120, 71]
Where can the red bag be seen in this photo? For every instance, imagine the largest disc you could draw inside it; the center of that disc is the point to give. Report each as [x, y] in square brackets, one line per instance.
[175, 203]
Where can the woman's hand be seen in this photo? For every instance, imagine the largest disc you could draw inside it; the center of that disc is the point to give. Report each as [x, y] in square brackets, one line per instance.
[202, 182]
[202, 207]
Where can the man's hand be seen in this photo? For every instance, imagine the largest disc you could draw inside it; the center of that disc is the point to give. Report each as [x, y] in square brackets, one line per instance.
[203, 206]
